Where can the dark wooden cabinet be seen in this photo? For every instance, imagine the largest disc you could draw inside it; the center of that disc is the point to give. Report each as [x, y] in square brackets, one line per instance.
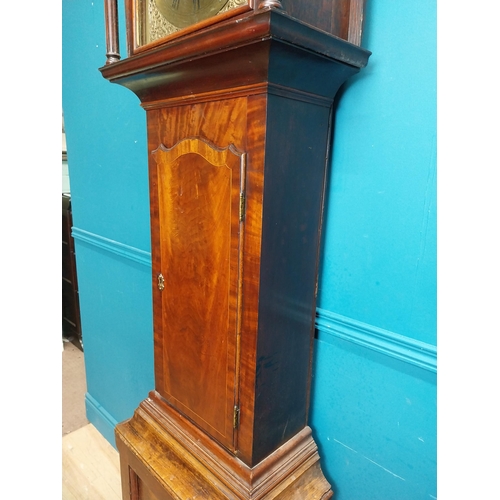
[71, 326]
[239, 118]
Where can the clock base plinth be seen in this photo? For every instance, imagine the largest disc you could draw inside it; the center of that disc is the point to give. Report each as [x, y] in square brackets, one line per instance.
[161, 461]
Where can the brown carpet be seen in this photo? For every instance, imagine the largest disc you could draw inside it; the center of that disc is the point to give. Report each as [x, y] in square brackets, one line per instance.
[74, 387]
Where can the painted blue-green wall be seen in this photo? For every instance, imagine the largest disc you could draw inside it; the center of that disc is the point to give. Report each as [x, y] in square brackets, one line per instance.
[106, 141]
[379, 259]
[373, 407]
[374, 387]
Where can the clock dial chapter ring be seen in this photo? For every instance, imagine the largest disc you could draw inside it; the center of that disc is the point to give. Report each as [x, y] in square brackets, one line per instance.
[183, 13]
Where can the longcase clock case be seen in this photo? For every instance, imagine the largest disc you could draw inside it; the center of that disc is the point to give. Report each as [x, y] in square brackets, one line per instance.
[239, 117]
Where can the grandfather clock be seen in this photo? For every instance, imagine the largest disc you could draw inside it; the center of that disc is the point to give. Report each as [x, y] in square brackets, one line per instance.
[239, 98]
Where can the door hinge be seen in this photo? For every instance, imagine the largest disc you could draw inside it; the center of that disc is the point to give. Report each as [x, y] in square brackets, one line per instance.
[236, 417]
[242, 206]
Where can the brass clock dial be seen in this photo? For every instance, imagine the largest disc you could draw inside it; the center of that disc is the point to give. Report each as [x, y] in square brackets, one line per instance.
[183, 13]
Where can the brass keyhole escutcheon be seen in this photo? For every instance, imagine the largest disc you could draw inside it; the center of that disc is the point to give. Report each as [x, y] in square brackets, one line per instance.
[161, 282]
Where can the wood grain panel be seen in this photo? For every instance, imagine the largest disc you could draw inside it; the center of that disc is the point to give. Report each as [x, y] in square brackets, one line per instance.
[199, 192]
[257, 108]
[221, 122]
[195, 218]
[145, 493]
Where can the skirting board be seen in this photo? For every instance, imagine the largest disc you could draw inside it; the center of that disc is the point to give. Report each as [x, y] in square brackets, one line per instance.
[100, 419]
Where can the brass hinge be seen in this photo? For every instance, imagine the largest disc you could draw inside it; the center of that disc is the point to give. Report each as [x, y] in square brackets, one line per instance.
[242, 206]
[236, 417]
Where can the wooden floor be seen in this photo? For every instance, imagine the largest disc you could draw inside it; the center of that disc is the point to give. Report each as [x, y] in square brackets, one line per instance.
[91, 468]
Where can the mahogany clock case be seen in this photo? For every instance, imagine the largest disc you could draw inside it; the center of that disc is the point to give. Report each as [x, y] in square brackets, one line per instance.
[239, 118]
[341, 18]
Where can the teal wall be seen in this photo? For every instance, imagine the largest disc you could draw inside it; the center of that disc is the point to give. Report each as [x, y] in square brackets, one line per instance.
[106, 142]
[374, 389]
[373, 406]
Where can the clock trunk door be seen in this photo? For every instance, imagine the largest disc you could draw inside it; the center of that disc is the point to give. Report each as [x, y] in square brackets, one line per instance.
[199, 190]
